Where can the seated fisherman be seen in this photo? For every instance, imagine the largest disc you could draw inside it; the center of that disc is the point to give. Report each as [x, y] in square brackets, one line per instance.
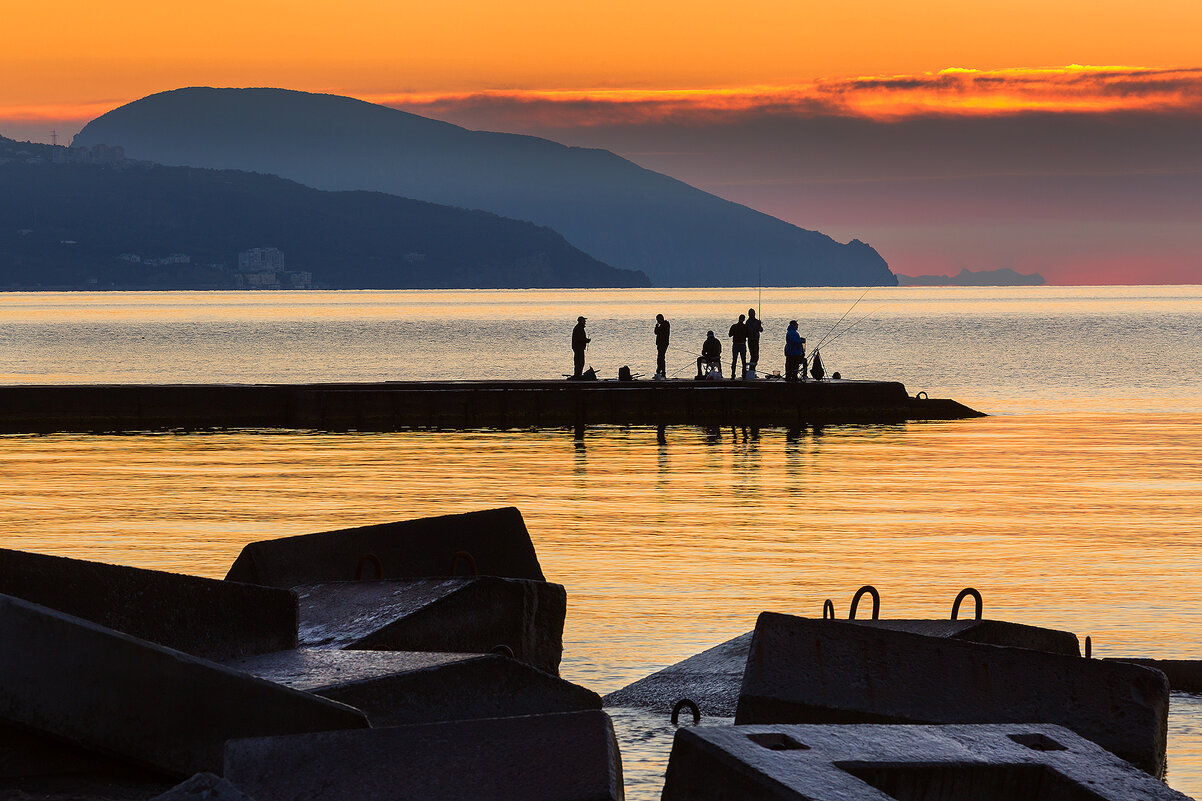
[711, 355]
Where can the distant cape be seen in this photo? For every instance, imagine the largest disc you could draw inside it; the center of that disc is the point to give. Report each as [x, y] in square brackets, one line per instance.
[1003, 277]
[610, 208]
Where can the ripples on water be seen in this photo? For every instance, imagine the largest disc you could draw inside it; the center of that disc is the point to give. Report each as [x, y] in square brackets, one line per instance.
[1079, 507]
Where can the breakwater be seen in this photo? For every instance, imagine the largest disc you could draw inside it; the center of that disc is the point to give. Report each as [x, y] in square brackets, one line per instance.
[462, 405]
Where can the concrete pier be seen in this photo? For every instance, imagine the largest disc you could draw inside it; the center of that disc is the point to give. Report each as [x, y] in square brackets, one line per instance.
[397, 688]
[463, 615]
[983, 762]
[568, 757]
[396, 406]
[827, 671]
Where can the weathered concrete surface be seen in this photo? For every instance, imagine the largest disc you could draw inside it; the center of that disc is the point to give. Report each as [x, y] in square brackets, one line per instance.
[400, 405]
[568, 757]
[204, 787]
[825, 671]
[457, 615]
[712, 679]
[984, 762]
[117, 695]
[395, 688]
[1185, 675]
[203, 617]
[429, 547]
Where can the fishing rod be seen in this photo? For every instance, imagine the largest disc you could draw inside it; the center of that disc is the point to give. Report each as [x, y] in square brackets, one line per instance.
[841, 319]
[836, 337]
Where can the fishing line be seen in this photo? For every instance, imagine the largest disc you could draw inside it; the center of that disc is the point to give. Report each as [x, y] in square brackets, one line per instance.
[841, 319]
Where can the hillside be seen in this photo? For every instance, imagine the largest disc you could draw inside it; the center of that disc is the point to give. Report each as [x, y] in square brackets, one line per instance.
[607, 206]
[74, 220]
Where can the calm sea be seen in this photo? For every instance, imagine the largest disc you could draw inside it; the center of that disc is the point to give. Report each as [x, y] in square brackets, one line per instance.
[1077, 504]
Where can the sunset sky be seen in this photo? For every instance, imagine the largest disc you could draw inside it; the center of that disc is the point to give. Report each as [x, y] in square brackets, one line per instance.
[1059, 137]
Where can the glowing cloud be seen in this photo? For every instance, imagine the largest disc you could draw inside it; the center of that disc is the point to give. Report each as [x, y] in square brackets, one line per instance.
[952, 91]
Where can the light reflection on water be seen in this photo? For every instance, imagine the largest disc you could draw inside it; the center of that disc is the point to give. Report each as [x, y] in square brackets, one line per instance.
[1084, 522]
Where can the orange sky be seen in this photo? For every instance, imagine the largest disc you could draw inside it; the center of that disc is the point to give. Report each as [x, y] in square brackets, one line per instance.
[73, 59]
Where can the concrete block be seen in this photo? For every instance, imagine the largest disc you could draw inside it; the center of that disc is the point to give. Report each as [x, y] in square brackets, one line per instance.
[394, 688]
[203, 617]
[26, 752]
[712, 679]
[826, 671]
[204, 787]
[117, 695]
[456, 615]
[984, 762]
[568, 757]
[1185, 675]
[493, 542]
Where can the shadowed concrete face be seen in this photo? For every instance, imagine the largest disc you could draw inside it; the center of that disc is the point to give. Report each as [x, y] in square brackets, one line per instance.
[712, 679]
[395, 688]
[493, 542]
[203, 787]
[467, 615]
[568, 757]
[982, 762]
[112, 693]
[826, 671]
[202, 617]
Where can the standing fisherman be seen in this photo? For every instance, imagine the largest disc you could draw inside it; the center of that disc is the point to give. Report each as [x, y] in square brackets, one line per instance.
[738, 346]
[755, 327]
[663, 333]
[795, 353]
[580, 341]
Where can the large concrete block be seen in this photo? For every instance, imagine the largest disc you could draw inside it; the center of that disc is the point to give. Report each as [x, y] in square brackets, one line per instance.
[114, 694]
[825, 671]
[204, 617]
[394, 688]
[1185, 675]
[712, 678]
[204, 787]
[568, 757]
[493, 542]
[984, 762]
[462, 615]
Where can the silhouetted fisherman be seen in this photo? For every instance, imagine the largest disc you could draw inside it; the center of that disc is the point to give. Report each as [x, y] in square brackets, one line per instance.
[755, 327]
[580, 341]
[663, 333]
[816, 368]
[738, 345]
[795, 353]
[711, 355]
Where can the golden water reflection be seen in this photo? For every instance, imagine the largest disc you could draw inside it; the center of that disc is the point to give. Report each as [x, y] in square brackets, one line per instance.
[1084, 522]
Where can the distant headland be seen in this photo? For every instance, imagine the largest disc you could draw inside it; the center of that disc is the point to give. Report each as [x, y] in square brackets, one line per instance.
[1003, 277]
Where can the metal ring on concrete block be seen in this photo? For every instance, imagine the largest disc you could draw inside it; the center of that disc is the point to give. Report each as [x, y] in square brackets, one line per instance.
[369, 559]
[471, 563]
[921, 396]
[503, 650]
[685, 703]
[855, 602]
[828, 609]
[965, 593]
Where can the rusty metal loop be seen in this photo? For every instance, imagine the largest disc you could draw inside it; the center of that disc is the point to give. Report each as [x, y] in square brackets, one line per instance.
[828, 609]
[503, 650]
[369, 559]
[471, 563]
[965, 593]
[685, 703]
[855, 602]
[921, 396]
[1088, 647]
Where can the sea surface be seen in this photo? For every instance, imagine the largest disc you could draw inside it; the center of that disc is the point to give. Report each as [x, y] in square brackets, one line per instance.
[1076, 504]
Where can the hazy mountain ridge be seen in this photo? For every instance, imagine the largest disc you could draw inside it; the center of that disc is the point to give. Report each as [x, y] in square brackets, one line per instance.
[1001, 277]
[66, 223]
[603, 204]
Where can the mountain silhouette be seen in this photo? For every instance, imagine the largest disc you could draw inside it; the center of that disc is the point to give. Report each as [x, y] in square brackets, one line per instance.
[71, 222]
[607, 206]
